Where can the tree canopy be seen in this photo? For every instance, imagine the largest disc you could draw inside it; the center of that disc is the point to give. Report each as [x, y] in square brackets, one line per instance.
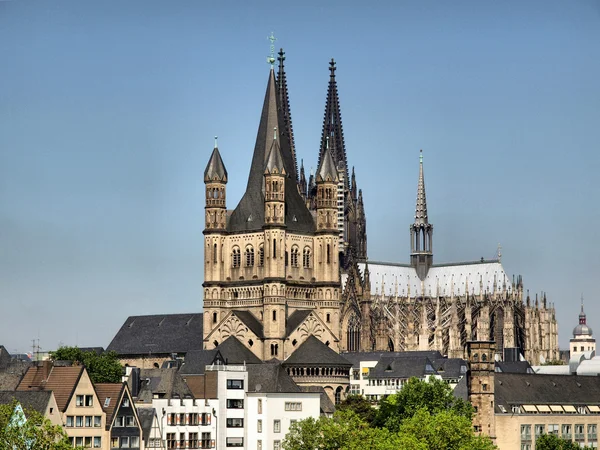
[422, 416]
[553, 442]
[29, 431]
[103, 368]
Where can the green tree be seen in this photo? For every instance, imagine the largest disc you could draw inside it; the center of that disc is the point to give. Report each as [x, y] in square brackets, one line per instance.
[433, 396]
[103, 368]
[36, 432]
[359, 405]
[553, 442]
[444, 430]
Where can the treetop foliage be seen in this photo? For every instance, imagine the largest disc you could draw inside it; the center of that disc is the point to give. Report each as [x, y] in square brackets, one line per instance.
[103, 368]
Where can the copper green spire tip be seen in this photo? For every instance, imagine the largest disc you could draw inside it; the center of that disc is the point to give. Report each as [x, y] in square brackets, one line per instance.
[271, 57]
[421, 157]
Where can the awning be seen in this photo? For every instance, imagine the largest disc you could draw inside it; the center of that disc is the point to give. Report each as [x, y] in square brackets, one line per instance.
[556, 408]
[594, 409]
[543, 408]
[569, 408]
[529, 408]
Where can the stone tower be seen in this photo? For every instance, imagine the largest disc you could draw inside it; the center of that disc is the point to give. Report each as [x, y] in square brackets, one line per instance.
[480, 380]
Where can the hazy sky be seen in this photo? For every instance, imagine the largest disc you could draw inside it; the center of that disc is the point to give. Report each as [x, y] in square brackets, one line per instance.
[108, 111]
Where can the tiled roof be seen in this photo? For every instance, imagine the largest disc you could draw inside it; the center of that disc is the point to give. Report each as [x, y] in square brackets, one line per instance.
[36, 400]
[270, 378]
[231, 349]
[250, 321]
[61, 380]
[513, 367]
[164, 382]
[357, 357]
[313, 352]
[159, 334]
[404, 368]
[450, 368]
[112, 391]
[532, 389]
[196, 383]
[295, 319]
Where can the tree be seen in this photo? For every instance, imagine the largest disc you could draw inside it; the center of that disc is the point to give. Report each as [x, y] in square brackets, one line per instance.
[433, 396]
[27, 430]
[553, 442]
[359, 405]
[103, 368]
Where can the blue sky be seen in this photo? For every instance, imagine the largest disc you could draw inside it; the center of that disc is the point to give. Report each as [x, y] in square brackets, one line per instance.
[108, 112]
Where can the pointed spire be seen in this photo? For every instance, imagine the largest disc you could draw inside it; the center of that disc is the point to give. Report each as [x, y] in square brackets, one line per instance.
[275, 160]
[353, 189]
[302, 186]
[284, 103]
[421, 209]
[582, 316]
[332, 126]
[215, 169]
[327, 170]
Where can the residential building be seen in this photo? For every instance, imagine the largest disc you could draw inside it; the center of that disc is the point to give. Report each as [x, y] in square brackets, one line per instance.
[583, 339]
[122, 421]
[83, 417]
[41, 401]
[151, 431]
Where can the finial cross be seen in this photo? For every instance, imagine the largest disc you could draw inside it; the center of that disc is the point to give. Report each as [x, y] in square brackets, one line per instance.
[271, 57]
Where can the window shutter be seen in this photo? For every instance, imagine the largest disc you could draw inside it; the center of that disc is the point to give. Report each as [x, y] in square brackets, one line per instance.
[208, 419]
[169, 419]
[212, 443]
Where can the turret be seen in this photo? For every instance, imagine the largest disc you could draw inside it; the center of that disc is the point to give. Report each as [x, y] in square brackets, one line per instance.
[215, 179]
[327, 180]
[275, 185]
[421, 231]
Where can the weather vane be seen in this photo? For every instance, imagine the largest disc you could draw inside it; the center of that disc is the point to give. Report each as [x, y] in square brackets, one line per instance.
[271, 57]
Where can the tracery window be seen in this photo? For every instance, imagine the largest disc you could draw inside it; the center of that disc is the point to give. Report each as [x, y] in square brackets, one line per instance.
[306, 258]
[261, 256]
[249, 256]
[294, 256]
[236, 257]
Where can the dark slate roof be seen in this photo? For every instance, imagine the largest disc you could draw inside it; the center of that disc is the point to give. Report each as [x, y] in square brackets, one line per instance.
[450, 368]
[327, 170]
[270, 378]
[514, 367]
[215, 169]
[167, 383]
[5, 357]
[461, 390]
[327, 406]
[275, 160]
[313, 352]
[403, 368]
[159, 334]
[356, 357]
[231, 349]
[250, 321]
[295, 319]
[528, 389]
[297, 216]
[146, 416]
[36, 400]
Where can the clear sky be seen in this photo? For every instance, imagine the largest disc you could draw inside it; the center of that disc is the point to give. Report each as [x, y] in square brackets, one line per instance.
[108, 111]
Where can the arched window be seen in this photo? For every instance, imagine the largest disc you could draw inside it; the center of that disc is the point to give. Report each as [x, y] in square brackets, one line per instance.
[214, 317]
[249, 256]
[274, 349]
[215, 253]
[261, 256]
[295, 256]
[286, 258]
[274, 248]
[338, 395]
[236, 259]
[274, 315]
[483, 357]
[306, 258]
[328, 253]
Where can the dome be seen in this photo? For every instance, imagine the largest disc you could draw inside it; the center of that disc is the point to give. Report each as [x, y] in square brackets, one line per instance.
[582, 330]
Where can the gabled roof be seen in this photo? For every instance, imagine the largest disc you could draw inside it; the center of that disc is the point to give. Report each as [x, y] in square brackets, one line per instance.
[514, 367]
[159, 334]
[403, 368]
[249, 213]
[112, 391]
[270, 378]
[357, 357]
[231, 349]
[36, 400]
[60, 380]
[215, 169]
[450, 368]
[167, 383]
[520, 389]
[5, 357]
[295, 319]
[250, 321]
[327, 170]
[313, 352]
[275, 160]
[146, 416]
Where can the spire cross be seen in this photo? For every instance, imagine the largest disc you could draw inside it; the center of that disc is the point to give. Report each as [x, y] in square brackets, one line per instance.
[216, 139]
[271, 57]
[421, 157]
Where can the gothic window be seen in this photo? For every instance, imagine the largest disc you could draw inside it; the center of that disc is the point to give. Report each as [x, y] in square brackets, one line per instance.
[353, 334]
[294, 256]
[249, 256]
[338, 395]
[215, 253]
[236, 257]
[274, 248]
[214, 317]
[286, 258]
[306, 258]
[328, 253]
[261, 256]
[274, 349]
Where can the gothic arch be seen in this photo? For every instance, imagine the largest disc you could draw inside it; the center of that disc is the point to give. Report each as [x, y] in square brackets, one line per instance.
[351, 330]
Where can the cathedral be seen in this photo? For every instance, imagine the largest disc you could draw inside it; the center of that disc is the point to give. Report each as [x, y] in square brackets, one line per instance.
[290, 261]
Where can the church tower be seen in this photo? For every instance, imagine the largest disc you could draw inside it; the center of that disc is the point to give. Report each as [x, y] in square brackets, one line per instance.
[421, 231]
[480, 385]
